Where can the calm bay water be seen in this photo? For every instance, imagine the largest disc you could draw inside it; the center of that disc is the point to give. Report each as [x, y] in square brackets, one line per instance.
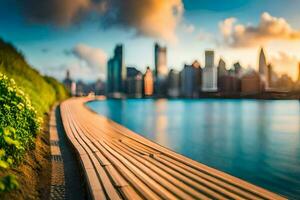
[258, 141]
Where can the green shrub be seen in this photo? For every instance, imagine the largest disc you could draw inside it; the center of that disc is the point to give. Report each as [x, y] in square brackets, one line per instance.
[18, 121]
[18, 127]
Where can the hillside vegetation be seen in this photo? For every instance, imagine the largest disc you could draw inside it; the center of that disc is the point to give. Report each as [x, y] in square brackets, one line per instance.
[42, 91]
[25, 95]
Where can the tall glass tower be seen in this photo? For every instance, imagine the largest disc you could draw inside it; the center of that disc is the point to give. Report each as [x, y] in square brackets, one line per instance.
[116, 72]
[262, 65]
[160, 57]
[210, 73]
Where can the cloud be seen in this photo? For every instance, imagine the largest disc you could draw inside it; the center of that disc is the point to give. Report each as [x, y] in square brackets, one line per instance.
[78, 71]
[269, 29]
[94, 58]
[89, 65]
[226, 28]
[153, 18]
[189, 28]
[56, 12]
[285, 63]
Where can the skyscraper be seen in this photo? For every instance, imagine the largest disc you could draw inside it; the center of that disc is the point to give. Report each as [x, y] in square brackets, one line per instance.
[222, 68]
[69, 83]
[269, 76]
[148, 82]
[262, 67]
[209, 73]
[134, 83]
[116, 73]
[160, 58]
[189, 80]
[173, 83]
[161, 70]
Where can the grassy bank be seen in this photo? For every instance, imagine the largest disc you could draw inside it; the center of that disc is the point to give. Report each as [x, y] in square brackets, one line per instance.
[25, 98]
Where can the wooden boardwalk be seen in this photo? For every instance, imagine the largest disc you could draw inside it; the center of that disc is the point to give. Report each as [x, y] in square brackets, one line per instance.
[120, 164]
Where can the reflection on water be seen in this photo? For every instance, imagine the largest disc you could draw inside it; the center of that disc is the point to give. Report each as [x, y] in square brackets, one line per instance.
[258, 141]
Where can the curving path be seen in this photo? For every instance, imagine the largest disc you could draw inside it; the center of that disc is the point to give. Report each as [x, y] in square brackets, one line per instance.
[120, 164]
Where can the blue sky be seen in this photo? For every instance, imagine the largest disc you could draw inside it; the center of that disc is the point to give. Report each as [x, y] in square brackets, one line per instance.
[46, 46]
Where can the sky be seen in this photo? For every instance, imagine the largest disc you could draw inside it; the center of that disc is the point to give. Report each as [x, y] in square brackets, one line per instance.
[80, 35]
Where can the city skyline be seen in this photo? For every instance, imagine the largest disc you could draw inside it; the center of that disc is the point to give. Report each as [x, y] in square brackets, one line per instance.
[193, 81]
[83, 46]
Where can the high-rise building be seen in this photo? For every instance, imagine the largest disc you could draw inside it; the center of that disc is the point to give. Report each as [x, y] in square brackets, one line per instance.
[209, 73]
[173, 83]
[160, 58]
[161, 70]
[222, 71]
[228, 80]
[190, 80]
[116, 73]
[148, 82]
[269, 76]
[263, 67]
[69, 83]
[134, 83]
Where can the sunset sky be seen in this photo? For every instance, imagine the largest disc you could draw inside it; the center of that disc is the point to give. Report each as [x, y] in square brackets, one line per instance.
[80, 35]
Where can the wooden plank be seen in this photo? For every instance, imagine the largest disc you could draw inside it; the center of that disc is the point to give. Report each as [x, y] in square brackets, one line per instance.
[126, 165]
[110, 190]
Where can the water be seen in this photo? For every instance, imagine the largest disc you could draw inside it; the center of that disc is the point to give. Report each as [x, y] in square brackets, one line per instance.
[258, 141]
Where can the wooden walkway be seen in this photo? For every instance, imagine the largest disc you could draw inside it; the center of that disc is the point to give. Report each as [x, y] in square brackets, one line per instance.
[120, 164]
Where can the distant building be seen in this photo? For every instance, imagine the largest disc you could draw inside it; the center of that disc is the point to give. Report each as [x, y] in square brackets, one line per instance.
[190, 80]
[134, 83]
[161, 70]
[73, 88]
[224, 81]
[148, 83]
[209, 73]
[173, 83]
[81, 88]
[251, 83]
[222, 71]
[69, 83]
[198, 76]
[238, 69]
[160, 58]
[299, 72]
[297, 85]
[99, 87]
[229, 84]
[269, 77]
[285, 83]
[263, 68]
[116, 73]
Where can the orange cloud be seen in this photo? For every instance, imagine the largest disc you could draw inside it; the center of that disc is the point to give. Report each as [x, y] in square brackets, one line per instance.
[269, 29]
[153, 18]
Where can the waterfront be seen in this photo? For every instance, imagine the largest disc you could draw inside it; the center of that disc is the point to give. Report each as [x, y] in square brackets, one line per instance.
[258, 141]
